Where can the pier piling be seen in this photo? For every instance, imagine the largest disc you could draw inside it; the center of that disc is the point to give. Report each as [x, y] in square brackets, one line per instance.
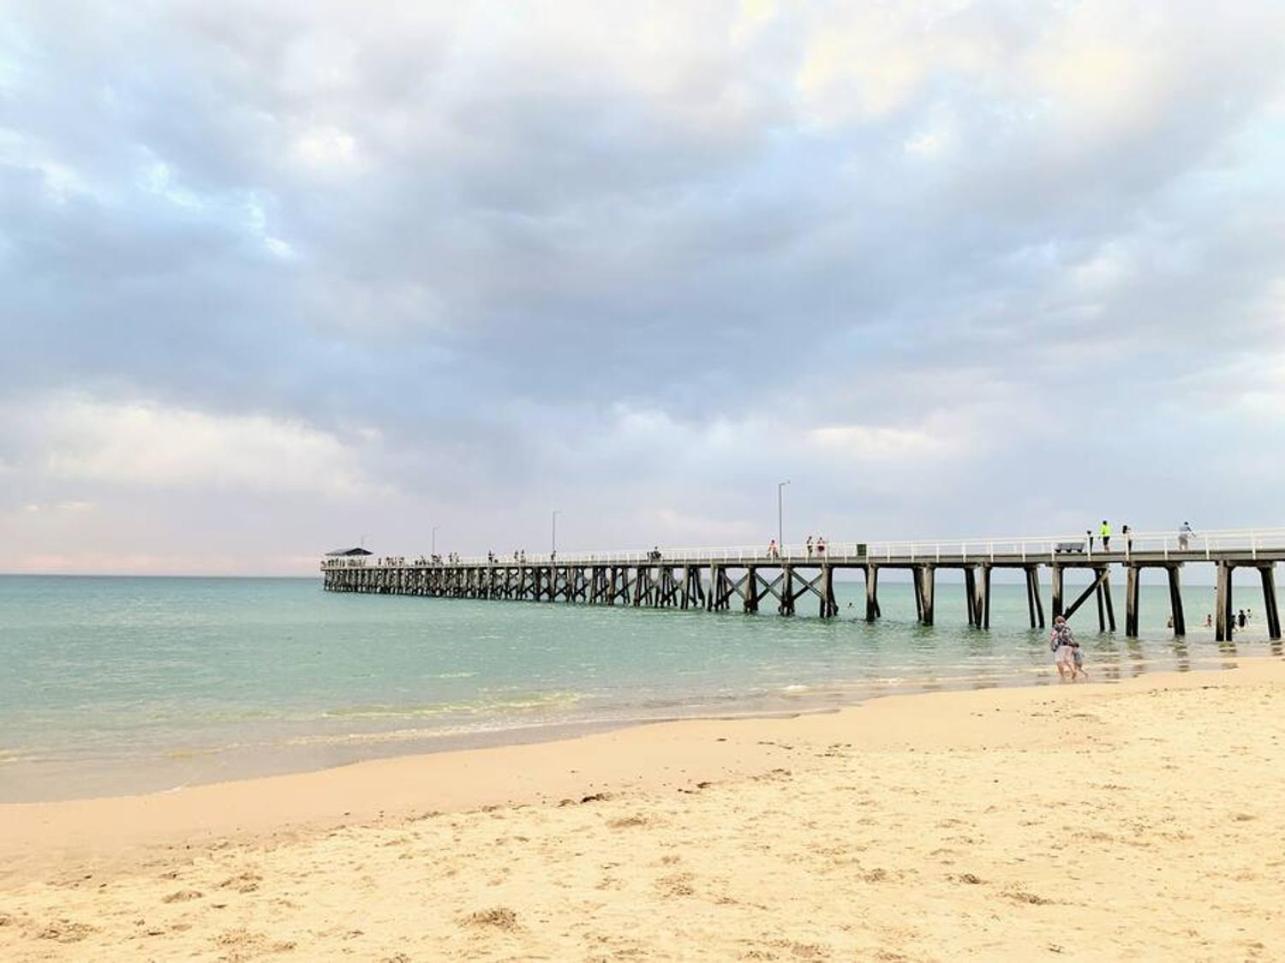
[1267, 573]
[1176, 612]
[1034, 604]
[872, 592]
[1223, 616]
[925, 585]
[982, 605]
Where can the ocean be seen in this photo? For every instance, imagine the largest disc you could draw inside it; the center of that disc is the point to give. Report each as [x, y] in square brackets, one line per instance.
[122, 685]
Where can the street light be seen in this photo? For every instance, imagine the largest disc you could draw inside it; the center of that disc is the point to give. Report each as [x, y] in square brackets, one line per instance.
[433, 550]
[554, 550]
[780, 527]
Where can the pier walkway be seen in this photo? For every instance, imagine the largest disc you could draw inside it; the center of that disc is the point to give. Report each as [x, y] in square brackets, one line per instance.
[748, 579]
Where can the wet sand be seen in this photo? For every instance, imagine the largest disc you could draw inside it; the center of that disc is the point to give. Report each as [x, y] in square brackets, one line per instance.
[1134, 821]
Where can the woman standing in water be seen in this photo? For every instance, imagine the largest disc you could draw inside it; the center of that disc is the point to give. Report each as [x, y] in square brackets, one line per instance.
[1064, 646]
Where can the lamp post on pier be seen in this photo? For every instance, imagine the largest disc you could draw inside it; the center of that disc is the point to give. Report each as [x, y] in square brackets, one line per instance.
[433, 550]
[554, 549]
[780, 514]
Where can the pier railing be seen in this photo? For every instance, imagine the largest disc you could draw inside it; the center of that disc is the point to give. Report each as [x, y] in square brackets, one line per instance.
[1051, 548]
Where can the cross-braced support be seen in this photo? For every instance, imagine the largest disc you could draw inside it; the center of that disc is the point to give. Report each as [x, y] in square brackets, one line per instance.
[1099, 586]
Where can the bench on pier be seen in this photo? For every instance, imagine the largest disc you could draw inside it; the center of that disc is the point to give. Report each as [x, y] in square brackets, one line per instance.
[1068, 548]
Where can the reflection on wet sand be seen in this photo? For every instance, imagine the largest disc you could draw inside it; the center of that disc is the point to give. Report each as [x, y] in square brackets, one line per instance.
[1137, 658]
[1228, 649]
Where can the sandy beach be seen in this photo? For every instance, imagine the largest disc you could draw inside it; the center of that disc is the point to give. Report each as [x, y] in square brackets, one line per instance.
[1140, 820]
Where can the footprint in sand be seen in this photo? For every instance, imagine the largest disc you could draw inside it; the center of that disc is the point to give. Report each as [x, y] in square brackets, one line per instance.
[498, 917]
[182, 896]
[65, 931]
[242, 883]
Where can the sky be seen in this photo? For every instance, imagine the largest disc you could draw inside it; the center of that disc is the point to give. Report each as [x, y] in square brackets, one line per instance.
[276, 278]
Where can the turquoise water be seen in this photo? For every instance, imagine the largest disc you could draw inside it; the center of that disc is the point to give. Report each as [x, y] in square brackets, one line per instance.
[130, 684]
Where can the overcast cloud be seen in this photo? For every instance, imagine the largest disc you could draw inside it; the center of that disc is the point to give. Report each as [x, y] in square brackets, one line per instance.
[277, 276]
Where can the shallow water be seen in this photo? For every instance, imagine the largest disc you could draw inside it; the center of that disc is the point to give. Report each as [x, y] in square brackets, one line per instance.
[130, 684]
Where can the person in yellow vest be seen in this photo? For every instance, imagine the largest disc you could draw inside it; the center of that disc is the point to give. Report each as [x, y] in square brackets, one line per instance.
[1105, 532]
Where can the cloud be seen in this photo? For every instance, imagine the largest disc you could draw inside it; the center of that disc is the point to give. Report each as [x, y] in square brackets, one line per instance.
[67, 506]
[885, 443]
[147, 446]
[326, 148]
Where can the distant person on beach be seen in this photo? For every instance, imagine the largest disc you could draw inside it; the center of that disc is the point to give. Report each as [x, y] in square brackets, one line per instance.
[1209, 620]
[1105, 532]
[1184, 536]
[1240, 619]
[1063, 644]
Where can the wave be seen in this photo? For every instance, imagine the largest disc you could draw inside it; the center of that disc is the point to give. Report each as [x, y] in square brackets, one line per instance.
[411, 735]
[523, 703]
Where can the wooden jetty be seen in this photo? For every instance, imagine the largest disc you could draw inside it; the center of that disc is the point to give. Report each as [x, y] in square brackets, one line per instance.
[748, 580]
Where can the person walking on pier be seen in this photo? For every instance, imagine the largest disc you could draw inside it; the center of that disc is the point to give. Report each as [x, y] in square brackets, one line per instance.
[1184, 536]
[808, 545]
[773, 551]
[820, 546]
[1105, 532]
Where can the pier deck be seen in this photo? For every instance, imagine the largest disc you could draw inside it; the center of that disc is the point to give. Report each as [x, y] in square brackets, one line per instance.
[717, 579]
